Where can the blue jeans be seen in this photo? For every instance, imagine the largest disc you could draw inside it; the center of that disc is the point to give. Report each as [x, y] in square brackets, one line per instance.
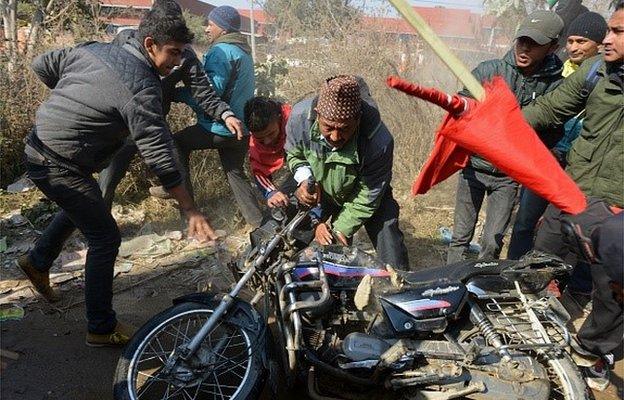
[531, 209]
[82, 207]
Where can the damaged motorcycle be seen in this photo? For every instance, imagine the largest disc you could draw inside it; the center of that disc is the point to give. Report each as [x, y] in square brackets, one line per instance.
[338, 323]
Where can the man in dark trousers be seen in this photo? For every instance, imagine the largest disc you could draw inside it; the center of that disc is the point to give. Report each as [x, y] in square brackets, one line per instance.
[100, 94]
[191, 74]
[530, 69]
[596, 158]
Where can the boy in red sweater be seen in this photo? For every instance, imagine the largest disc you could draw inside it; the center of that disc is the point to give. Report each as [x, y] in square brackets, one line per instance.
[266, 120]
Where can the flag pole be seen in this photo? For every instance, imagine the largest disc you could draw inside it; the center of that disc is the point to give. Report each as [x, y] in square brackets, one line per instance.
[456, 66]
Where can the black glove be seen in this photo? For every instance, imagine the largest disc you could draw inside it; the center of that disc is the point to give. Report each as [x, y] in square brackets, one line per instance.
[577, 229]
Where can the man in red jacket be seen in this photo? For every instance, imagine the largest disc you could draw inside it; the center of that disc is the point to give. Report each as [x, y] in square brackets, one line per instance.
[266, 120]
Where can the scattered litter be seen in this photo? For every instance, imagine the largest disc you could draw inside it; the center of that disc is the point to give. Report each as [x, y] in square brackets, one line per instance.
[151, 245]
[21, 247]
[174, 235]
[13, 313]
[7, 286]
[16, 218]
[194, 244]
[20, 186]
[123, 267]
[62, 277]
[446, 234]
[129, 215]
[72, 260]
[3, 244]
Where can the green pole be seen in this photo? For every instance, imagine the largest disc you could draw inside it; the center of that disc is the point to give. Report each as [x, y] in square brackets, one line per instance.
[456, 66]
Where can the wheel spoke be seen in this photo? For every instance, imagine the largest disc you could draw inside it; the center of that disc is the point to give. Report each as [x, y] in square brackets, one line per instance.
[226, 345]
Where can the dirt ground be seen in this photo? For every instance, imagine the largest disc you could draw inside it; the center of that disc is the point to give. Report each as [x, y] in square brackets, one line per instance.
[47, 357]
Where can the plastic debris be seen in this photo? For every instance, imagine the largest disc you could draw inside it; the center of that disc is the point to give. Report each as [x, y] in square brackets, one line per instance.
[174, 235]
[58, 278]
[20, 247]
[20, 186]
[151, 245]
[16, 218]
[3, 244]
[446, 234]
[13, 313]
[123, 267]
[72, 260]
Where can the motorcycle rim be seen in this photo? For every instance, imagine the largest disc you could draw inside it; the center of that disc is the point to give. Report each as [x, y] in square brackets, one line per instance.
[228, 376]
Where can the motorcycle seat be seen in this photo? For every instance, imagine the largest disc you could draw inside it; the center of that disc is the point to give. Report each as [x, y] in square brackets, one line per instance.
[461, 271]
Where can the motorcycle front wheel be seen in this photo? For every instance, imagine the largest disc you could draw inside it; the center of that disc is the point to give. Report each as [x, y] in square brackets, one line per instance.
[228, 364]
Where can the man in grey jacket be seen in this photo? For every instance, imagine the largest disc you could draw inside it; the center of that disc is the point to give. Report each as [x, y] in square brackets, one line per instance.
[191, 73]
[101, 93]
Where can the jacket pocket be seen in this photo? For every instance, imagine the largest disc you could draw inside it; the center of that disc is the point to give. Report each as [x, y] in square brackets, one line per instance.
[582, 150]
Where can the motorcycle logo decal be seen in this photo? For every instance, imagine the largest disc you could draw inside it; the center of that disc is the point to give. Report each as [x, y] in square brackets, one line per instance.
[439, 291]
[423, 304]
[485, 264]
[342, 271]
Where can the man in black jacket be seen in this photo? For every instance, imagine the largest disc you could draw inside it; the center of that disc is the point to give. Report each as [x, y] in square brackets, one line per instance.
[530, 69]
[101, 93]
[191, 74]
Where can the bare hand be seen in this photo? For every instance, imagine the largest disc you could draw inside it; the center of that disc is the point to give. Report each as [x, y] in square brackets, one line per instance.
[323, 235]
[235, 126]
[307, 198]
[278, 199]
[198, 227]
[341, 238]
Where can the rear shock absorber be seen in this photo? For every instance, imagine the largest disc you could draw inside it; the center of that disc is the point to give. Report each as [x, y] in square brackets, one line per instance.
[479, 318]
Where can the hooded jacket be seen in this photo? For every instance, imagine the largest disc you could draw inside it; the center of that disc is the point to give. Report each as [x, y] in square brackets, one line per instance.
[101, 93]
[230, 68]
[526, 89]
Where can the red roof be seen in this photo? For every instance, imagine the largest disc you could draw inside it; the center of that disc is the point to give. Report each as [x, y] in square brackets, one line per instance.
[450, 22]
[259, 15]
[121, 21]
[127, 3]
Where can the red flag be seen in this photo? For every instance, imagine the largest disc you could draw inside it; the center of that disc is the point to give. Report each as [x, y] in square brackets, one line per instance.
[496, 130]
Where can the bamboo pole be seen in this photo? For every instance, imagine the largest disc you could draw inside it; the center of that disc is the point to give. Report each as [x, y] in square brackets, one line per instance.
[456, 66]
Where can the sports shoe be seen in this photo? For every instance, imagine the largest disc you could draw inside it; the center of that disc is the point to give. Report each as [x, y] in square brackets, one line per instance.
[597, 376]
[160, 192]
[118, 337]
[40, 280]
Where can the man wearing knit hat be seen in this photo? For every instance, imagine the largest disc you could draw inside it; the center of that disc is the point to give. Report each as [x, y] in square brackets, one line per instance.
[339, 139]
[229, 67]
[584, 36]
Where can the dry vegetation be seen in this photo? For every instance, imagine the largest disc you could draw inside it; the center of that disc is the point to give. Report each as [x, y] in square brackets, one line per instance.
[330, 48]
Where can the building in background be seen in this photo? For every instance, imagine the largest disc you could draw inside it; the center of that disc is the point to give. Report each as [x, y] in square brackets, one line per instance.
[121, 14]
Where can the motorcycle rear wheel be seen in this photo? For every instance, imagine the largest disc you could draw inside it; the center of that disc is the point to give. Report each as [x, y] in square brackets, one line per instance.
[567, 381]
[236, 368]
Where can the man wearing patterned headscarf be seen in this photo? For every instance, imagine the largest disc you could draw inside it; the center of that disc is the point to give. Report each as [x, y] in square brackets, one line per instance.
[338, 138]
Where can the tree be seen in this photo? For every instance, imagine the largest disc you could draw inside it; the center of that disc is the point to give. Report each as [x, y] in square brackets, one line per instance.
[312, 17]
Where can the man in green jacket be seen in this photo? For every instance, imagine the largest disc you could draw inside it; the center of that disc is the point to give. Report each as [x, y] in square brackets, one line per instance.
[339, 139]
[596, 159]
[530, 69]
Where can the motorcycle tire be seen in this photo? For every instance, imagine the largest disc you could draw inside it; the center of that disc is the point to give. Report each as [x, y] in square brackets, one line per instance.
[163, 325]
[571, 383]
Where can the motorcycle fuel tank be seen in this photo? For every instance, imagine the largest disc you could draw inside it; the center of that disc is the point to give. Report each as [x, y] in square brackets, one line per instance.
[424, 308]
